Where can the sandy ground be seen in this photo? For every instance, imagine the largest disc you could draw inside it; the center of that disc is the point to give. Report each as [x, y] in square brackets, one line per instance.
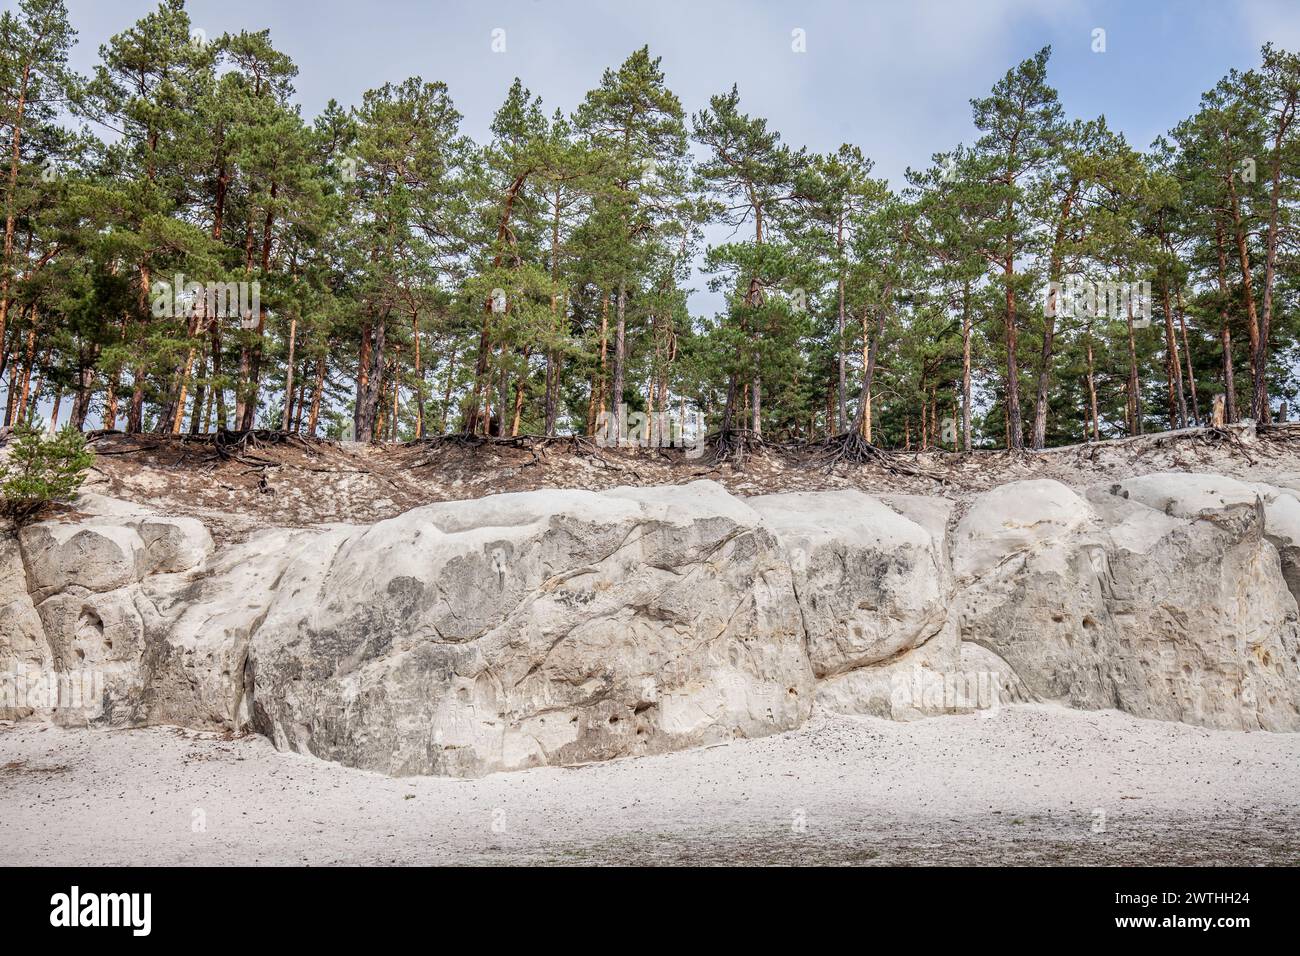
[1033, 784]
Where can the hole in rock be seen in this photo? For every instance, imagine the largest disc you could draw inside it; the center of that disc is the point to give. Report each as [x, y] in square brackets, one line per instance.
[90, 627]
[90, 634]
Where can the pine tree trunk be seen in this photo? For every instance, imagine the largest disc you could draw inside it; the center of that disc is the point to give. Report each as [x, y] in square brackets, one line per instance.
[419, 376]
[1243, 260]
[363, 380]
[1173, 365]
[1187, 354]
[368, 407]
[965, 369]
[287, 415]
[517, 417]
[862, 423]
[110, 402]
[179, 413]
[314, 417]
[1092, 395]
[620, 359]
[446, 397]
[1015, 434]
[200, 389]
[842, 386]
[15, 161]
[1055, 268]
[551, 399]
[1229, 387]
[602, 404]
[1134, 401]
[218, 389]
[1260, 403]
[255, 361]
[85, 390]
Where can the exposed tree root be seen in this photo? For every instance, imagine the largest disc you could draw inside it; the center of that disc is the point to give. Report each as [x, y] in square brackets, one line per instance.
[223, 445]
[240, 446]
[537, 445]
[734, 446]
[1202, 437]
[740, 449]
[851, 448]
[1283, 433]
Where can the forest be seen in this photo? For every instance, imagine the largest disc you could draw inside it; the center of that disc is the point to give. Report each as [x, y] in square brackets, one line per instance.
[185, 253]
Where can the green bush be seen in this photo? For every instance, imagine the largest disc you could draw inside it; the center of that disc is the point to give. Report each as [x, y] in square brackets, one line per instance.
[41, 469]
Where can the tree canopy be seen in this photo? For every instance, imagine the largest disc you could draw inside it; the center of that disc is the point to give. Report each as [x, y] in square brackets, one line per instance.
[184, 251]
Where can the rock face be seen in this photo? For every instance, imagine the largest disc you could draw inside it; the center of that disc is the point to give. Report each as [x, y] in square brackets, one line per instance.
[1162, 596]
[560, 627]
[527, 629]
[870, 582]
[72, 597]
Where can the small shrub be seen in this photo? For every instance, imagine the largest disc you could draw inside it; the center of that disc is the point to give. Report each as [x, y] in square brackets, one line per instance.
[41, 469]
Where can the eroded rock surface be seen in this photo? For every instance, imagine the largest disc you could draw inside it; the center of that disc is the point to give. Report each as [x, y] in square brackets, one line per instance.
[74, 645]
[1162, 596]
[871, 583]
[527, 629]
[560, 627]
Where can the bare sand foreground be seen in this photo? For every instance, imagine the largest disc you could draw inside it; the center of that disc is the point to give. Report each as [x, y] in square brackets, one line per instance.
[1032, 784]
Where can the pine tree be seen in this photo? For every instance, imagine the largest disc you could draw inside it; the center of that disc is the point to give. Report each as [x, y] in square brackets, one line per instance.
[1020, 123]
[638, 126]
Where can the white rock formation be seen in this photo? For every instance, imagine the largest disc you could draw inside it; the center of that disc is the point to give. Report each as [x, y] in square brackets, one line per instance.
[871, 583]
[558, 627]
[1177, 612]
[75, 646]
[525, 629]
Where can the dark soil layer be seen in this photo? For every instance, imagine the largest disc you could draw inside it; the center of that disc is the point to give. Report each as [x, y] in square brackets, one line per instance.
[237, 483]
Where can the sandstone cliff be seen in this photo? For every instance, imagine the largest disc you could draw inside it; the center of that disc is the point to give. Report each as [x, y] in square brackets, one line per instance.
[565, 626]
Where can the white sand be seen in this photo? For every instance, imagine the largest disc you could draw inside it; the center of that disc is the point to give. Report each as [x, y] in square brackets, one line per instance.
[1023, 786]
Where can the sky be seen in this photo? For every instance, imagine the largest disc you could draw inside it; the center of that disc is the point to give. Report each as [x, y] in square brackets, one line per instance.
[894, 77]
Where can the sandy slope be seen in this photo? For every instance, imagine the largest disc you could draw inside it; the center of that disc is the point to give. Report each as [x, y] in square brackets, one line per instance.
[1024, 785]
[292, 482]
